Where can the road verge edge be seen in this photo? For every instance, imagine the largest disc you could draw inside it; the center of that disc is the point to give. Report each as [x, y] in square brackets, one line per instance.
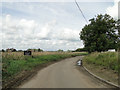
[101, 79]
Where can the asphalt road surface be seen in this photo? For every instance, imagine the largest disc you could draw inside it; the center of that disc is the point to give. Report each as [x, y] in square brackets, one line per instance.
[63, 74]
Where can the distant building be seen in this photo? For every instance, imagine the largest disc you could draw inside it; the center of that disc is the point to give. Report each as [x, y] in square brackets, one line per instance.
[111, 50]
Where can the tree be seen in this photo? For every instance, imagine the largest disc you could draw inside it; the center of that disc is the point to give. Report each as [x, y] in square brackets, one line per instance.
[60, 50]
[20, 50]
[29, 49]
[100, 34]
[69, 50]
[118, 28]
[14, 50]
[80, 50]
[40, 50]
[3, 50]
[118, 25]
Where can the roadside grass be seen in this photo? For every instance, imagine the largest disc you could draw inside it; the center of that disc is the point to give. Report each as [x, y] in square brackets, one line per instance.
[104, 65]
[16, 62]
[108, 60]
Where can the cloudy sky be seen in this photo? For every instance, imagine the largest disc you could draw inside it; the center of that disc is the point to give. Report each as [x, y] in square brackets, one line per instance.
[48, 25]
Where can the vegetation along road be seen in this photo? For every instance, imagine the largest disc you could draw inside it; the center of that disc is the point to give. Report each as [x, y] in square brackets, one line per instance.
[63, 74]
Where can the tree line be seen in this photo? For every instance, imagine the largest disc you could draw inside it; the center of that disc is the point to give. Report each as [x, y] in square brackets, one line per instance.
[15, 50]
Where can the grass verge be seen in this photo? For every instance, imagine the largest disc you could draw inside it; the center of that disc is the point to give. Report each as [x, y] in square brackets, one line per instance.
[104, 65]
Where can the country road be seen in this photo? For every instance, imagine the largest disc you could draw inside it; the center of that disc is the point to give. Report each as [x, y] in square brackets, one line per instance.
[63, 74]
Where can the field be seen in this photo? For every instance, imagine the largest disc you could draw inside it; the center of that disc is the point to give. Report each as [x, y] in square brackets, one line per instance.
[13, 63]
[104, 65]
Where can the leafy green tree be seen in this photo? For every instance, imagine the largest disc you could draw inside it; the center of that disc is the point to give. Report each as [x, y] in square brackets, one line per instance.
[100, 34]
[60, 50]
[80, 50]
[29, 49]
[118, 28]
[40, 50]
[14, 50]
[3, 50]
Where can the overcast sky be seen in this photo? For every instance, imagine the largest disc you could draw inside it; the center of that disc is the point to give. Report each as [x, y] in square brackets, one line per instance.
[48, 25]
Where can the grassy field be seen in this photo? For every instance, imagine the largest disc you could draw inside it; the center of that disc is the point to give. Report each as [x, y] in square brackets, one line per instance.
[15, 62]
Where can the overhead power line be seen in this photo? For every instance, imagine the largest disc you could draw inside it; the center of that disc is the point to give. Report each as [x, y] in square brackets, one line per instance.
[81, 11]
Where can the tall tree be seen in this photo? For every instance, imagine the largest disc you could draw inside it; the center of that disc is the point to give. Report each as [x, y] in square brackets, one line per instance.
[118, 28]
[100, 34]
[118, 24]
